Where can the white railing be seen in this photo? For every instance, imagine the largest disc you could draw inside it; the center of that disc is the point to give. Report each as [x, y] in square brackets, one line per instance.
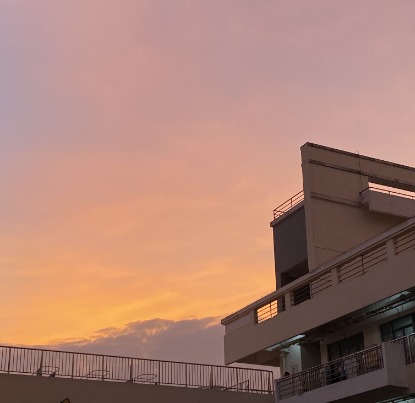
[65, 364]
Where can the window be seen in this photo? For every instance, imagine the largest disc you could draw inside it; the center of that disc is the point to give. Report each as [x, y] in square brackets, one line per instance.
[397, 328]
[346, 346]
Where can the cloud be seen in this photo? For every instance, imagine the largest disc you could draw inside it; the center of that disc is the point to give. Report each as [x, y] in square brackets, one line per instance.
[187, 340]
[190, 340]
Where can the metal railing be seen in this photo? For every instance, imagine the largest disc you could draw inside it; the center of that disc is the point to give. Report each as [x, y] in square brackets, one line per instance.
[311, 289]
[270, 310]
[345, 267]
[65, 364]
[409, 347]
[289, 204]
[405, 242]
[389, 192]
[362, 264]
[339, 370]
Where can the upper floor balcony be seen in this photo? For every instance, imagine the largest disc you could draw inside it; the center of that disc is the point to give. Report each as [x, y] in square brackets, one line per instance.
[370, 375]
[388, 201]
[383, 265]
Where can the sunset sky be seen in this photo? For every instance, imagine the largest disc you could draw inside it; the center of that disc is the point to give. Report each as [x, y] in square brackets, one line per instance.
[145, 143]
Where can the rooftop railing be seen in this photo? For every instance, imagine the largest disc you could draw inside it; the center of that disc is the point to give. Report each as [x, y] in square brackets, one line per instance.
[339, 370]
[289, 204]
[63, 364]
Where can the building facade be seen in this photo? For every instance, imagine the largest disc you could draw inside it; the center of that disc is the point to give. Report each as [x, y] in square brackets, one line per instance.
[340, 325]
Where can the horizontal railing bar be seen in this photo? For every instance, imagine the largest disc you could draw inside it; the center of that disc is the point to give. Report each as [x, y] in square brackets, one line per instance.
[126, 357]
[340, 263]
[66, 364]
[349, 366]
[288, 204]
[388, 192]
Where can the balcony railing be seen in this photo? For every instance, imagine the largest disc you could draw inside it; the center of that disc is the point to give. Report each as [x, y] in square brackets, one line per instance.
[409, 346]
[339, 370]
[65, 364]
[289, 204]
[355, 263]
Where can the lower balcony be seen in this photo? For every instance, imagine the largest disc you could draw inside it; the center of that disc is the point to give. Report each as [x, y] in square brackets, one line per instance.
[367, 376]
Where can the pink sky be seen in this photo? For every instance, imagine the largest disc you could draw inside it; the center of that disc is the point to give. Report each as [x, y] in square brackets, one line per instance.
[144, 144]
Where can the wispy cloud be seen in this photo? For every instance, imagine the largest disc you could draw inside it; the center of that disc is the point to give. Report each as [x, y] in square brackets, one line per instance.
[191, 340]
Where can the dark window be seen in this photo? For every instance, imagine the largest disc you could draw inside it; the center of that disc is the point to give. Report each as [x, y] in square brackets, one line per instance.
[397, 328]
[346, 346]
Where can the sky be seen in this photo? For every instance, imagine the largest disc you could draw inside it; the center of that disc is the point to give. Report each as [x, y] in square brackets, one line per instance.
[144, 145]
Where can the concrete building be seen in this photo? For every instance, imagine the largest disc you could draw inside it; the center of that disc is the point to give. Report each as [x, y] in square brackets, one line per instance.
[341, 322]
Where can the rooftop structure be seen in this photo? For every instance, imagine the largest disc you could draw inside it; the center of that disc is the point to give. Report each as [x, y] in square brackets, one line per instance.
[44, 376]
[341, 322]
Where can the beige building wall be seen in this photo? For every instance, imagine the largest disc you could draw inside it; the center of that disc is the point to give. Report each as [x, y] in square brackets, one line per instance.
[332, 181]
[36, 389]
[248, 342]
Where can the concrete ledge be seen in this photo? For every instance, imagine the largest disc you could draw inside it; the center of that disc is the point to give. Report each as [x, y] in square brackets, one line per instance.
[36, 389]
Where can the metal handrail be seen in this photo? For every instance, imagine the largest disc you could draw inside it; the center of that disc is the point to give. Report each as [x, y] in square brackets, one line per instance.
[373, 245]
[289, 204]
[390, 192]
[350, 366]
[409, 347]
[23, 360]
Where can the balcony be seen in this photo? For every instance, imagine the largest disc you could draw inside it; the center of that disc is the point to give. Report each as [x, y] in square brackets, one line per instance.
[388, 202]
[383, 264]
[369, 375]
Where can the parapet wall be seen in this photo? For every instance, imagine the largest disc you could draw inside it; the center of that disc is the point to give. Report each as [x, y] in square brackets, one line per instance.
[38, 389]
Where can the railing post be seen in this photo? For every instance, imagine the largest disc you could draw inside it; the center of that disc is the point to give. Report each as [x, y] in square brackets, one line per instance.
[287, 297]
[211, 378]
[102, 367]
[334, 276]
[390, 249]
[73, 364]
[277, 390]
[131, 371]
[8, 366]
[185, 374]
[39, 371]
[159, 374]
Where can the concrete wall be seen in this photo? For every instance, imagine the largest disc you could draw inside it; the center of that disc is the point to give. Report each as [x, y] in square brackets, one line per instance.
[385, 280]
[388, 203]
[290, 244]
[35, 389]
[332, 182]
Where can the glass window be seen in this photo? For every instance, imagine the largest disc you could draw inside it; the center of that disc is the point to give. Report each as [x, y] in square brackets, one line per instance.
[397, 328]
[346, 346]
